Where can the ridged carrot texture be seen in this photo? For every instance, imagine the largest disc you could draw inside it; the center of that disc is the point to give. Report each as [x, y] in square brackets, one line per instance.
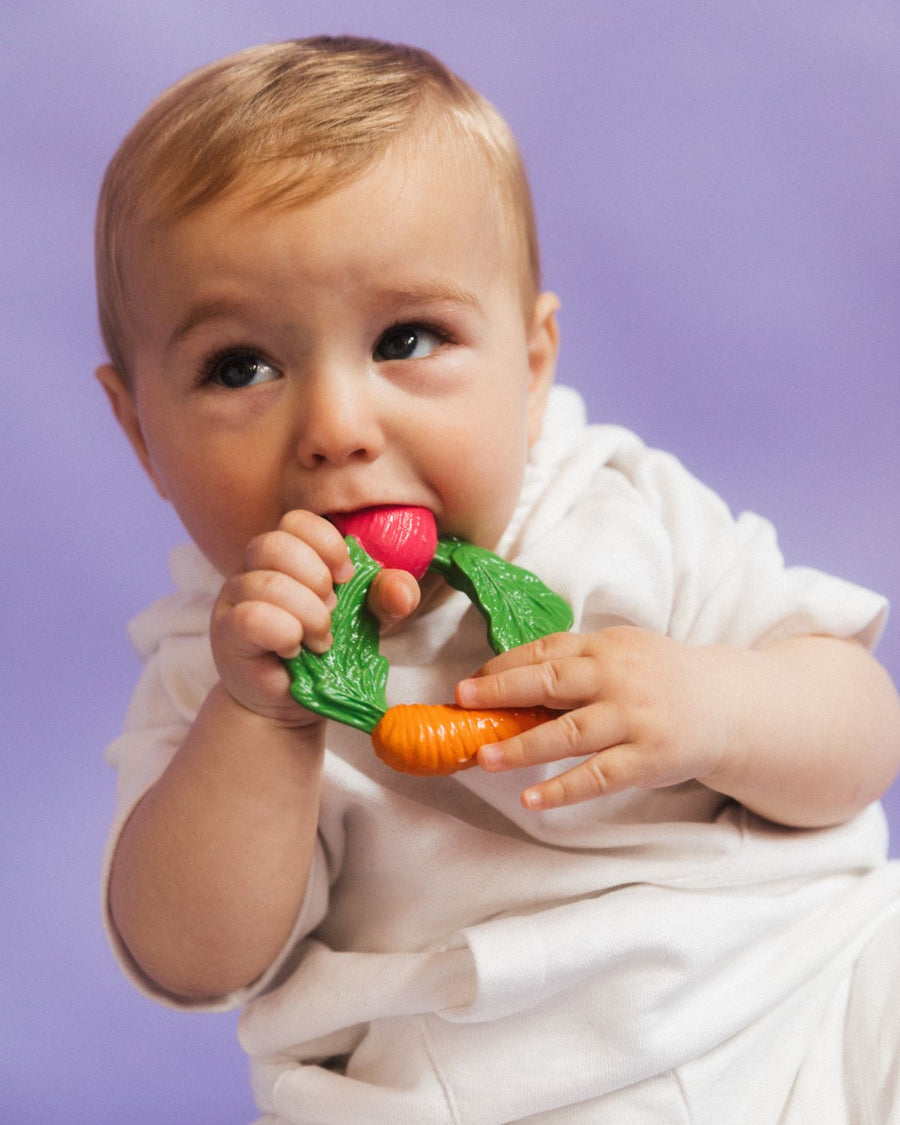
[441, 738]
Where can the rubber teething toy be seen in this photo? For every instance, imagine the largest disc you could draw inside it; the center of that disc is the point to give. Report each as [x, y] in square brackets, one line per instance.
[348, 682]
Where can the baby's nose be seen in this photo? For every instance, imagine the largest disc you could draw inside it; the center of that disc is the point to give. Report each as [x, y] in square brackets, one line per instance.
[338, 423]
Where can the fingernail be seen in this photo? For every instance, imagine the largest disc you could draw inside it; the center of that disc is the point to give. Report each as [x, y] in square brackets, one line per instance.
[533, 799]
[491, 756]
[320, 647]
[405, 604]
[465, 692]
[344, 572]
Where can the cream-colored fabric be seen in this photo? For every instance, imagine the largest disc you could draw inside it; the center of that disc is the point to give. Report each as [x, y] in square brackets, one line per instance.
[659, 955]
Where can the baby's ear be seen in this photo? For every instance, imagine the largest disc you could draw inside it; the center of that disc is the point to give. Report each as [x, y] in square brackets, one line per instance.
[543, 347]
[121, 399]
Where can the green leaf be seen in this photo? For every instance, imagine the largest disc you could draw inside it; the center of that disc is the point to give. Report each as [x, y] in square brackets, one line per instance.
[346, 683]
[515, 603]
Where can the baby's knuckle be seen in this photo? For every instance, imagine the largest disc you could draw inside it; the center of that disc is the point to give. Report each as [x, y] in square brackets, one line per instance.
[258, 586]
[230, 594]
[247, 616]
[597, 778]
[294, 521]
[570, 730]
[541, 650]
[257, 549]
[551, 674]
[496, 690]
[310, 528]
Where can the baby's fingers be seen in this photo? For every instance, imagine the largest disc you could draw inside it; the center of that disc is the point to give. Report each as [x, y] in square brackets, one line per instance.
[254, 628]
[306, 548]
[267, 611]
[610, 771]
[625, 765]
[393, 595]
[560, 684]
[555, 646]
[572, 735]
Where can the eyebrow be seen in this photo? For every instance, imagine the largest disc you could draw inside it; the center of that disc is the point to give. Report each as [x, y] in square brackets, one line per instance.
[215, 309]
[431, 292]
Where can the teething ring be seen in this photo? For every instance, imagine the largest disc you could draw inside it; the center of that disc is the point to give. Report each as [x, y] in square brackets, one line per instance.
[347, 683]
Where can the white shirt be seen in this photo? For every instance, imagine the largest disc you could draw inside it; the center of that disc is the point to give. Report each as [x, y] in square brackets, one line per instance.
[482, 963]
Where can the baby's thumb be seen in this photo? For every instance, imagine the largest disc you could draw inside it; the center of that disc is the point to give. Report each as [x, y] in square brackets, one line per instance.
[393, 595]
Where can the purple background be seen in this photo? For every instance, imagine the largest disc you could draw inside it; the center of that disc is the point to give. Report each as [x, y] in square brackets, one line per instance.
[717, 191]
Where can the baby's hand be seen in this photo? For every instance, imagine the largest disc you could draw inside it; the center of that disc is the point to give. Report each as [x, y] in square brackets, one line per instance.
[283, 599]
[642, 705]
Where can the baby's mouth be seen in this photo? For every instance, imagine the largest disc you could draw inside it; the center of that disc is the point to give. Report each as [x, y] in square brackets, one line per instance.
[396, 536]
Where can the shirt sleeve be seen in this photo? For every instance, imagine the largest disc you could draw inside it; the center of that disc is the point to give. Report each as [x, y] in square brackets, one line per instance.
[627, 535]
[730, 582]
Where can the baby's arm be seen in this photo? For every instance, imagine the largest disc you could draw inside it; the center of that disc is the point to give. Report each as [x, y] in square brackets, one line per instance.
[804, 731]
[210, 869]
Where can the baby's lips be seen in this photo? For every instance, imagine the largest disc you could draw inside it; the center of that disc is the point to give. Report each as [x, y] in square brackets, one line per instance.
[396, 536]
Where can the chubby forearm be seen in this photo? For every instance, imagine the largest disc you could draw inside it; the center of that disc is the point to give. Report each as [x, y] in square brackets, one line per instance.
[811, 726]
[210, 869]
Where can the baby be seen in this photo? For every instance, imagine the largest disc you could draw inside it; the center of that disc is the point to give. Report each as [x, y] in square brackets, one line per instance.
[319, 290]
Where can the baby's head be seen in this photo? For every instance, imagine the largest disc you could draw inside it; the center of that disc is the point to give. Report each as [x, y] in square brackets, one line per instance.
[318, 285]
[287, 123]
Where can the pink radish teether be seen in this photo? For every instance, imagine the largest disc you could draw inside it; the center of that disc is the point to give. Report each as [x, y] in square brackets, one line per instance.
[401, 538]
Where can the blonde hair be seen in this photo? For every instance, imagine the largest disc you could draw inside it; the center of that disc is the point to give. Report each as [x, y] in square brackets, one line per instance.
[293, 121]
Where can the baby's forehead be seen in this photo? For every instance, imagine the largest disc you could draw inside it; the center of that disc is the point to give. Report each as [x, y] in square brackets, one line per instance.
[399, 209]
[435, 164]
[435, 154]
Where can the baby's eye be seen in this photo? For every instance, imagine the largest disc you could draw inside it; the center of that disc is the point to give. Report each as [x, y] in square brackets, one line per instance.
[236, 370]
[407, 341]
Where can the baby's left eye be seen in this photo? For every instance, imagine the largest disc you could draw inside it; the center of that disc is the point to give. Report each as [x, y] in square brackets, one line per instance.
[407, 341]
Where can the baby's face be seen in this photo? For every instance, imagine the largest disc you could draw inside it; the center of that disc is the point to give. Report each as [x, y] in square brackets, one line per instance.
[369, 347]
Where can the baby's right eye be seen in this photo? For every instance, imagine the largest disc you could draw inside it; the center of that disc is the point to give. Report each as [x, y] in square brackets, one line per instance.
[238, 369]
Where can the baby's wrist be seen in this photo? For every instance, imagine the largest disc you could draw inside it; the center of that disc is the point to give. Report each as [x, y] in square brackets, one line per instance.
[731, 717]
[265, 719]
